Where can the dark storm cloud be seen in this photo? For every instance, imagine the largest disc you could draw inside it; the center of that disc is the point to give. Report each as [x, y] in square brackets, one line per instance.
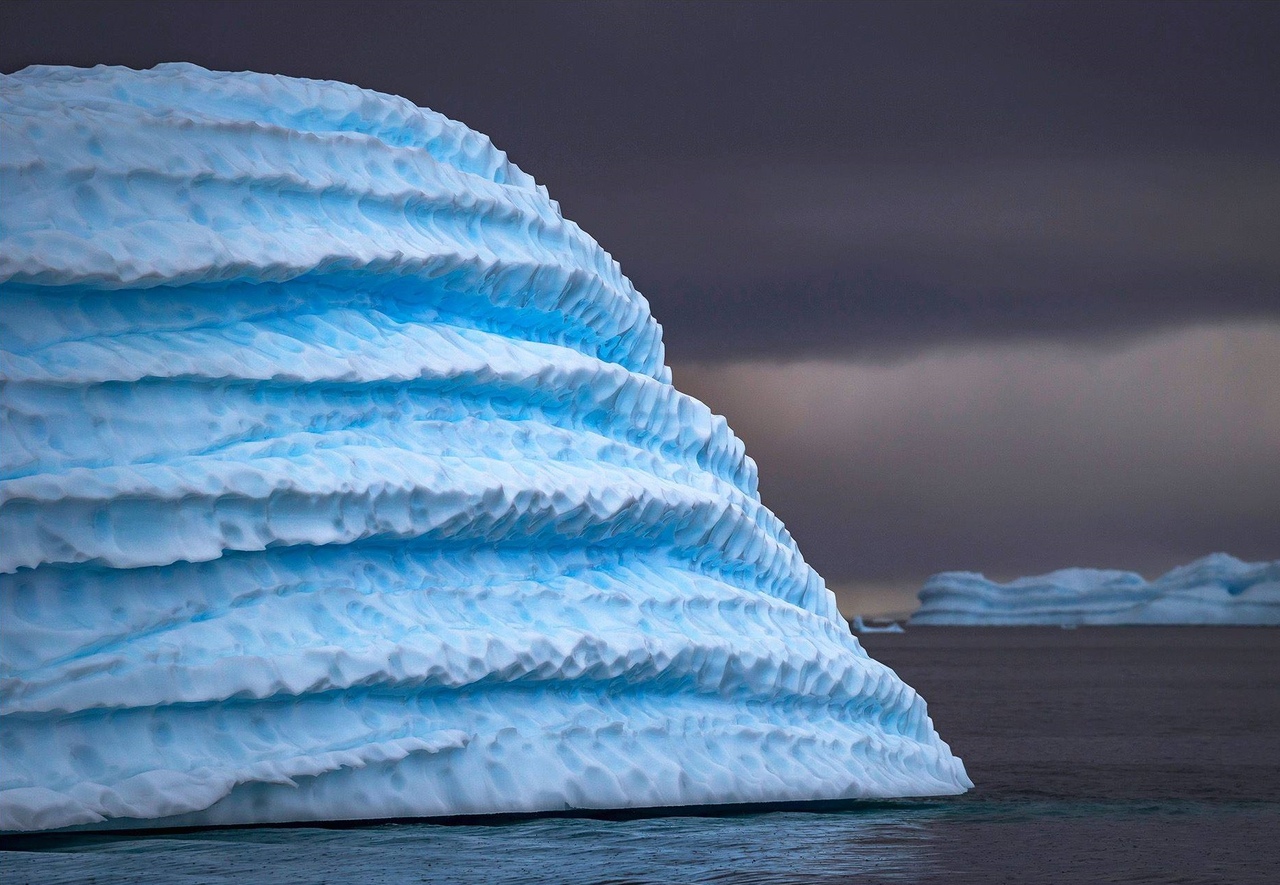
[865, 261]
[850, 179]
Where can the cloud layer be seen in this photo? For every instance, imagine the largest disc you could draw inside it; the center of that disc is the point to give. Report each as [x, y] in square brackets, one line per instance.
[868, 260]
[1019, 458]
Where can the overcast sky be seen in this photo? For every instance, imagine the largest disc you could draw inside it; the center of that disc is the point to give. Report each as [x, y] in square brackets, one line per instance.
[992, 286]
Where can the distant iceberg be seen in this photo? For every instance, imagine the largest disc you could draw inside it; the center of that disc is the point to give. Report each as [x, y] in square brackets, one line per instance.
[341, 477]
[861, 626]
[1217, 589]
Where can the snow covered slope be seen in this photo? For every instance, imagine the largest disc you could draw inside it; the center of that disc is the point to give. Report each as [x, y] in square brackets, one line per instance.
[341, 477]
[1217, 589]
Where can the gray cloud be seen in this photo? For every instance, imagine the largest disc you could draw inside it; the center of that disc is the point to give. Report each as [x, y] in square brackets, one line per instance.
[865, 260]
[1019, 458]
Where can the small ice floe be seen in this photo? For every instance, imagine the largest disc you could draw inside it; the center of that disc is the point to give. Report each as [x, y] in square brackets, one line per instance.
[861, 626]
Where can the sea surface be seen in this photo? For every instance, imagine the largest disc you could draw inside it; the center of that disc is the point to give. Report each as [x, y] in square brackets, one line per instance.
[1102, 754]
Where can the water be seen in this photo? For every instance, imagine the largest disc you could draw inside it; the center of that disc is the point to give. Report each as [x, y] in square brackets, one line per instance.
[1100, 755]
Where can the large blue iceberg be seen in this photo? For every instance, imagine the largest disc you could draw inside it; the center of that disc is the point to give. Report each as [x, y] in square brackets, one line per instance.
[343, 478]
[1218, 589]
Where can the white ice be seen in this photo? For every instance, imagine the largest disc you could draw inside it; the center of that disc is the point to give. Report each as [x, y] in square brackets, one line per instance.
[341, 477]
[1218, 589]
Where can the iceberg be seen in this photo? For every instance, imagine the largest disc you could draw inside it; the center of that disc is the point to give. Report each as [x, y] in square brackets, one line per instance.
[1218, 589]
[861, 626]
[343, 478]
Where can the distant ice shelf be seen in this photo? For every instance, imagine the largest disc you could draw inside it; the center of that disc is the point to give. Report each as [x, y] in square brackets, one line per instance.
[1218, 589]
[341, 477]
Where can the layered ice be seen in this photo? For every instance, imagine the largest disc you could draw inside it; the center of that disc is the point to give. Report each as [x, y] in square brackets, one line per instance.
[1218, 589]
[343, 478]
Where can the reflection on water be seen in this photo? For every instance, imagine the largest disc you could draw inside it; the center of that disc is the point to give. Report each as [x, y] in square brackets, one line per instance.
[969, 840]
[883, 845]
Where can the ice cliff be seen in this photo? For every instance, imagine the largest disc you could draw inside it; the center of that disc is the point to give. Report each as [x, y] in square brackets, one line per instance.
[1217, 589]
[342, 478]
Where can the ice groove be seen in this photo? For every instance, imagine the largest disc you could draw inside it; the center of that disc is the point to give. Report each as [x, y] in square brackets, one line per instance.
[595, 727]
[690, 635]
[59, 614]
[627, 407]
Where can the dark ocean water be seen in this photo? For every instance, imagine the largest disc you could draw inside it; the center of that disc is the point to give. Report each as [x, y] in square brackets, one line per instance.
[1099, 754]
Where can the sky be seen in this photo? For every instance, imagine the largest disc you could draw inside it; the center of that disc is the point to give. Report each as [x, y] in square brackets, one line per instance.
[992, 287]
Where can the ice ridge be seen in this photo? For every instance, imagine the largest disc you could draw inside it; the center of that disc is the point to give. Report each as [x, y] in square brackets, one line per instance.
[341, 477]
[1217, 589]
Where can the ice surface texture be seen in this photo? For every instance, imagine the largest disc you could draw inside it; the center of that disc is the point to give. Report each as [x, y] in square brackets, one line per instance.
[343, 478]
[1217, 589]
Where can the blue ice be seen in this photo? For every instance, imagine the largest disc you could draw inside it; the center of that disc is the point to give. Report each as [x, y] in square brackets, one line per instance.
[342, 477]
